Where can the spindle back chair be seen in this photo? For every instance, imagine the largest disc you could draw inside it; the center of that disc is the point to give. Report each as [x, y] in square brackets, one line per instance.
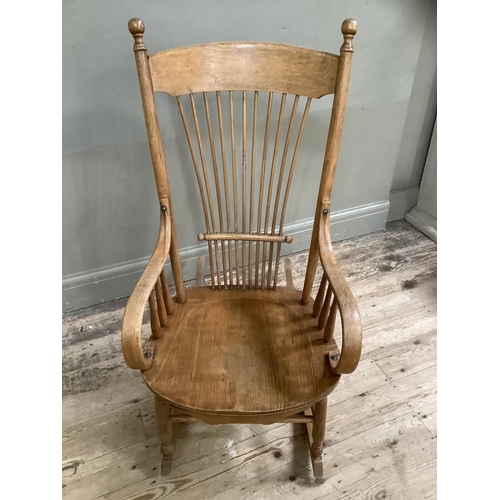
[243, 349]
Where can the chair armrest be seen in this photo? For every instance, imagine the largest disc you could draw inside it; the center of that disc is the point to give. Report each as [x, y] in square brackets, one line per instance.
[134, 310]
[349, 313]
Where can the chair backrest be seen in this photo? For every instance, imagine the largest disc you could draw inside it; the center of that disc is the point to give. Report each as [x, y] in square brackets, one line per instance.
[244, 165]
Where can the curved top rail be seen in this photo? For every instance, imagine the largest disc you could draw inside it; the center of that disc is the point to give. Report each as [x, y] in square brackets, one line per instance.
[265, 67]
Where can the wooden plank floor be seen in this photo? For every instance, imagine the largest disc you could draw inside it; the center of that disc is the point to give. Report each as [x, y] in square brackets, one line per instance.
[381, 428]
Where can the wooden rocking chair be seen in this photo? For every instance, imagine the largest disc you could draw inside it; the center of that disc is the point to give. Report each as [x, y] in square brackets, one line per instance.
[243, 349]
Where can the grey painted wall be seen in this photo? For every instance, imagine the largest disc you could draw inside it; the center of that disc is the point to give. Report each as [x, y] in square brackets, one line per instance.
[419, 122]
[424, 215]
[427, 196]
[109, 201]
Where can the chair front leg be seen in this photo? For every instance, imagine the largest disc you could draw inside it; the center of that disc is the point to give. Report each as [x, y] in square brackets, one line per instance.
[318, 436]
[165, 434]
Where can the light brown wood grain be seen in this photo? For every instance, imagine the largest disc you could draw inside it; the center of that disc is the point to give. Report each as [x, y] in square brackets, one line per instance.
[288, 273]
[109, 423]
[270, 192]
[200, 271]
[199, 180]
[209, 194]
[252, 182]
[226, 184]
[316, 461]
[160, 304]
[167, 298]
[345, 301]
[289, 182]
[261, 190]
[318, 436]
[275, 238]
[154, 317]
[217, 190]
[294, 419]
[244, 185]
[277, 195]
[248, 352]
[320, 296]
[234, 171]
[323, 315]
[134, 311]
[165, 434]
[136, 28]
[241, 354]
[330, 324]
[244, 66]
[349, 29]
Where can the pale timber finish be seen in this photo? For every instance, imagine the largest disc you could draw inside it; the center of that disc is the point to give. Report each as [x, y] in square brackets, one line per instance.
[242, 66]
[243, 349]
[253, 353]
[380, 438]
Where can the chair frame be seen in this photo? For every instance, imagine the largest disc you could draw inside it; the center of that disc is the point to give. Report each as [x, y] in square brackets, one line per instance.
[152, 288]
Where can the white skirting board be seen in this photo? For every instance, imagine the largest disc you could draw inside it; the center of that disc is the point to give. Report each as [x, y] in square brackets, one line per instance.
[423, 222]
[114, 282]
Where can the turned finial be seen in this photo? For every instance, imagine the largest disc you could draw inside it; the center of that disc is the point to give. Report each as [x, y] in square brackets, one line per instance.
[136, 28]
[349, 29]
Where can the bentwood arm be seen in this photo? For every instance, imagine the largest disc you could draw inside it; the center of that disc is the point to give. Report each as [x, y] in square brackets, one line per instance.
[142, 294]
[344, 300]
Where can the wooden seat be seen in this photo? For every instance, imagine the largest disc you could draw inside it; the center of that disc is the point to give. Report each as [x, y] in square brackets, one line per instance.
[240, 352]
[243, 349]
